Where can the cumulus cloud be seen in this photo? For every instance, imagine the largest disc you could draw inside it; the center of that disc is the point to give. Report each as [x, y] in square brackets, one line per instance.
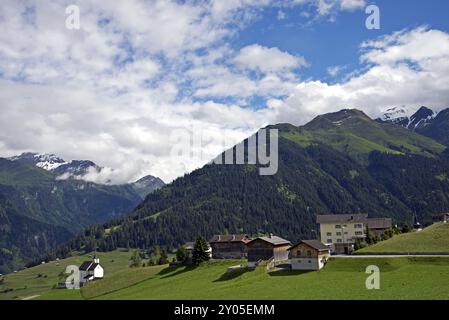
[266, 60]
[117, 91]
[401, 70]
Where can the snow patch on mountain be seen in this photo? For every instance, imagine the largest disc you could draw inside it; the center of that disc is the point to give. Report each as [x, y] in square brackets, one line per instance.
[397, 115]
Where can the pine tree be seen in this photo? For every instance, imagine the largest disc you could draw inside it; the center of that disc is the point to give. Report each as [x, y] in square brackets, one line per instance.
[200, 251]
[182, 255]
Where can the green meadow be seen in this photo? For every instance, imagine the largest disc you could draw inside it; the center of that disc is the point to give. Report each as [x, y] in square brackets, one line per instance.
[342, 278]
[400, 278]
[42, 278]
[432, 240]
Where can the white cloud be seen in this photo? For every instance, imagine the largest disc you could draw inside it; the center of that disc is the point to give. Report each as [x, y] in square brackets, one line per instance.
[335, 70]
[257, 57]
[402, 72]
[352, 4]
[137, 71]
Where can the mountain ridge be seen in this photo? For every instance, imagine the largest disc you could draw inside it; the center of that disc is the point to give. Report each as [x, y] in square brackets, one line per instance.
[39, 204]
[426, 122]
[339, 163]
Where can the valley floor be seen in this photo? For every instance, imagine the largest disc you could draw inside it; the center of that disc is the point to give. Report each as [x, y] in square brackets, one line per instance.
[400, 278]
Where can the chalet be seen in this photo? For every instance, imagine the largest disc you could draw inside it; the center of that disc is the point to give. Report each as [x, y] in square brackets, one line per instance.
[190, 246]
[308, 255]
[341, 231]
[266, 248]
[443, 217]
[91, 270]
[231, 246]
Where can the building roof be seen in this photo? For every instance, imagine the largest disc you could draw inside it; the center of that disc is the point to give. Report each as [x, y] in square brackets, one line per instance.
[341, 218]
[379, 223]
[189, 245]
[230, 238]
[274, 240]
[314, 244]
[88, 266]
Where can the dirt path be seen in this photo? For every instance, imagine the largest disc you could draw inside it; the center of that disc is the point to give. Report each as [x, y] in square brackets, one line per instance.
[31, 297]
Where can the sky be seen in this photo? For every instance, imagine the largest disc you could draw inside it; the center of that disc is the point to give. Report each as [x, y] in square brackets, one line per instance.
[161, 87]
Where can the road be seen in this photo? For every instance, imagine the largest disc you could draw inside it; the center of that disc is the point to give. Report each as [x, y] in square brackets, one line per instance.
[391, 256]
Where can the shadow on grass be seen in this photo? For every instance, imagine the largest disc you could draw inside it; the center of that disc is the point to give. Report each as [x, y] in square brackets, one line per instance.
[175, 271]
[286, 273]
[233, 274]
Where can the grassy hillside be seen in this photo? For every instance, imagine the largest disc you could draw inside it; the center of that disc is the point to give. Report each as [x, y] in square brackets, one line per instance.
[40, 279]
[354, 133]
[434, 239]
[341, 279]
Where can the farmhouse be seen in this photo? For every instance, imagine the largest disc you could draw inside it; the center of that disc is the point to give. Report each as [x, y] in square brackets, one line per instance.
[341, 231]
[266, 248]
[309, 255]
[91, 270]
[443, 217]
[229, 246]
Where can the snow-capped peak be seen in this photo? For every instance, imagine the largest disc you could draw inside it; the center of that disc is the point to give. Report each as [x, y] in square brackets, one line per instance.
[395, 114]
[420, 118]
[42, 160]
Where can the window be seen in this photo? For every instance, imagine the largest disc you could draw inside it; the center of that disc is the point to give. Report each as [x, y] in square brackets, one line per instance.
[329, 234]
[298, 253]
[339, 234]
[346, 233]
[359, 233]
[358, 226]
[339, 241]
[338, 226]
[329, 240]
[309, 253]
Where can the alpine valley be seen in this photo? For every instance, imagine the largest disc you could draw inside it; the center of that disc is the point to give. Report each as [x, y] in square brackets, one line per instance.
[39, 209]
[342, 162]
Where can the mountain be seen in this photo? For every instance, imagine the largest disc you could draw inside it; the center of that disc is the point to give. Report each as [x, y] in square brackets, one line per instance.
[437, 128]
[342, 162]
[396, 116]
[57, 165]
[38, 210]
[147, 184]
[79, 169]
[425, 122]
[422, 118]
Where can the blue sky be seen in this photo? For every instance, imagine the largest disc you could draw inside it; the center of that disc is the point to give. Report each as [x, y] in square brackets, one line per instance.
[139, 82]
[325, 43]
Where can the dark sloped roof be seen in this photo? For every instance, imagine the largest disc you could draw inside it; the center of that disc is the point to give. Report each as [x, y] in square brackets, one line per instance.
[341, 218]
[88, 266]
[379, 223]
[275, 240]
[85, 265]
[230, 238]
[315, 244]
